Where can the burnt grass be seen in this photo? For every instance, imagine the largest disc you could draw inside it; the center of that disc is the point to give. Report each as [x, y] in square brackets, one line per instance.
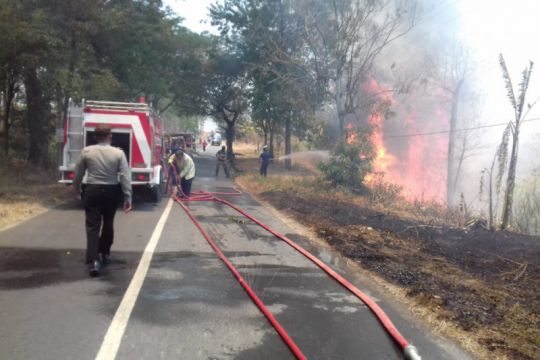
[485, 282]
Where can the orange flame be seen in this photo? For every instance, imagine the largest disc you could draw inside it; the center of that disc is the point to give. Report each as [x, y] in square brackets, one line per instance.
[351, 134]
[417, 163]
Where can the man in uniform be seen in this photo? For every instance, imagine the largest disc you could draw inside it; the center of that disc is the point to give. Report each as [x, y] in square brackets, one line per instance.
[185, 168]
[221, 156]
[104, 165]
[264, 159]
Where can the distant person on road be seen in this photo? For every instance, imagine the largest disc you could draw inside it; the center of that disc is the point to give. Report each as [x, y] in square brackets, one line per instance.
[264, 159]
[185, 168]
[221, 156]
[204, 144]
[103, 165]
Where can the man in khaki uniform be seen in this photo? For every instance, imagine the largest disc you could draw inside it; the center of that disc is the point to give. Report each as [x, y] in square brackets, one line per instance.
[221, 157]
[103, 165]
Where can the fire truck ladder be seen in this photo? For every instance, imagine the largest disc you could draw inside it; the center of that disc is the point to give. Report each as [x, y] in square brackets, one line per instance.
[118, 106]
[74, 134]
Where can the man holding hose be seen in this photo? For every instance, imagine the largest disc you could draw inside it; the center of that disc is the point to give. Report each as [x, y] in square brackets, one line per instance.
[185, 168]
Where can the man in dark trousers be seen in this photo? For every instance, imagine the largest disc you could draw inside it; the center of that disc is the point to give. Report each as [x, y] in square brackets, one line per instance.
[103, 165]
[185, 168]
[264, 159]
[221, 156]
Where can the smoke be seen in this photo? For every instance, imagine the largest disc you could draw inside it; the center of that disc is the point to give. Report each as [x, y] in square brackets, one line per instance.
[415, 78]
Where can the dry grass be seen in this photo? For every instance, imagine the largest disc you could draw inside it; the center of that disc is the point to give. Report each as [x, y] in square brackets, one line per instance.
[26, 192]
[246, 150]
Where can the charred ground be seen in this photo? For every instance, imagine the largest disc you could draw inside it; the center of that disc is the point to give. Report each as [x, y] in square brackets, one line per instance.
[485, 283]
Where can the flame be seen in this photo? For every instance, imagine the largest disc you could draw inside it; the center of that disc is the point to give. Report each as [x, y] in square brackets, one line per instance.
[417, 163]
[351, 134]
[383, 159]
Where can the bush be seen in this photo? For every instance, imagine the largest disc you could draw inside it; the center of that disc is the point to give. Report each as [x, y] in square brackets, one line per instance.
[382, 191]
[349, 163]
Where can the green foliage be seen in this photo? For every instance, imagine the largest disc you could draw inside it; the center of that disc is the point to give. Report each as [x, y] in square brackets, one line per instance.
[266, 34]
[116, 50]
[349, 163]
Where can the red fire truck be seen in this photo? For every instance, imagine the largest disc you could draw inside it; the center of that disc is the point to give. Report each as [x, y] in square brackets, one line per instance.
[136, 129]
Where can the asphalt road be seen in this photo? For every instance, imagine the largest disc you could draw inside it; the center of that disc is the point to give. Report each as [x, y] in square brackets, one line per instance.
[186, 305]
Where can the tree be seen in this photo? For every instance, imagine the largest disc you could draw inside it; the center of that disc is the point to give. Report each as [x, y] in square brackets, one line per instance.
[345, 37]
[9, 70]
[118, 50]
[518, 105]
[226, 91]
[268, 36]
[494, 177]
[452, 71]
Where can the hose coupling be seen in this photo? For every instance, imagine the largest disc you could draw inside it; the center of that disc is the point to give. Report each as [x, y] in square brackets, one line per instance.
[411, 353]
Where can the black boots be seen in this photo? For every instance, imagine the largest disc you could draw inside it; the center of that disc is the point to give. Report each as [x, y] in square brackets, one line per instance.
[95, 269]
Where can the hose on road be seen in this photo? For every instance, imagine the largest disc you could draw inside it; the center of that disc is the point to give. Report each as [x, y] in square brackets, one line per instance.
[410, 352]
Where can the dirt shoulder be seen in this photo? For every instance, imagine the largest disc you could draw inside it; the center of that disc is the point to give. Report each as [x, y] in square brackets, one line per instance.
[485, 285]
[25, 193]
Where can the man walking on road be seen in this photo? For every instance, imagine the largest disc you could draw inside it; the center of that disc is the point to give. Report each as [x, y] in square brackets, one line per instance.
[264, 159]
[221, 156]
[185, 168]
[103, 165]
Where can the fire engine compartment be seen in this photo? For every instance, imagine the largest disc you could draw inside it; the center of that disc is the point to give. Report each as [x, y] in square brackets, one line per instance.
[121, 138]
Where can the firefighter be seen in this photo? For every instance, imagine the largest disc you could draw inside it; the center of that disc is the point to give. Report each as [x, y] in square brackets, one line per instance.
[264, 159]
[185, 168]
[103, 166]
[221, 156]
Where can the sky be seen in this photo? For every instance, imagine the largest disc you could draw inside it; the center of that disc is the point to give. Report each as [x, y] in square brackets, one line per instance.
[195, 17]
[490, 27]
[194, 13]
[487, 27]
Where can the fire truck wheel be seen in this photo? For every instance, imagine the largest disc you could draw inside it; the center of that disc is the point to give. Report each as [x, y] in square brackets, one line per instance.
[155, 193]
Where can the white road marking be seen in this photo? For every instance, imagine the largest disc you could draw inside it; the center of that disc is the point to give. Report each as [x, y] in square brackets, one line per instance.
[113, 338]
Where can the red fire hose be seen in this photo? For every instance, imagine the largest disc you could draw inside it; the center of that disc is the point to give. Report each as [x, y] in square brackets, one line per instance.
[409, 350]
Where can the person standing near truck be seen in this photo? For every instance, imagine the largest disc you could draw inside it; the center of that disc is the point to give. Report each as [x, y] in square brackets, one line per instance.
[221, 156]
[103, 166]
[264, 159]
[185, 168]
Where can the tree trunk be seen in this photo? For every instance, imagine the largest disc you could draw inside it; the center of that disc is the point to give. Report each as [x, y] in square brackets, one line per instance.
[491, 215]
[288, 147]
[229, 140]
[339, 109]
[9, 94]
[450, 169]
[271, 132]
[37, 117]
[460, 161]
[510, 180]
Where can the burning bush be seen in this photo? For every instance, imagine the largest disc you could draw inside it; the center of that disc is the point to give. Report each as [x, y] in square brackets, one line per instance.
[349, 163]
[382, 191]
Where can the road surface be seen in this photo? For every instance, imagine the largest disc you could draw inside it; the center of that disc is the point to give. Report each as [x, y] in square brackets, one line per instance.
[186, 305]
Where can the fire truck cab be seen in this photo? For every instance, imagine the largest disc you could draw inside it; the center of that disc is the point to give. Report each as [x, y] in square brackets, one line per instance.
[136, 129]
